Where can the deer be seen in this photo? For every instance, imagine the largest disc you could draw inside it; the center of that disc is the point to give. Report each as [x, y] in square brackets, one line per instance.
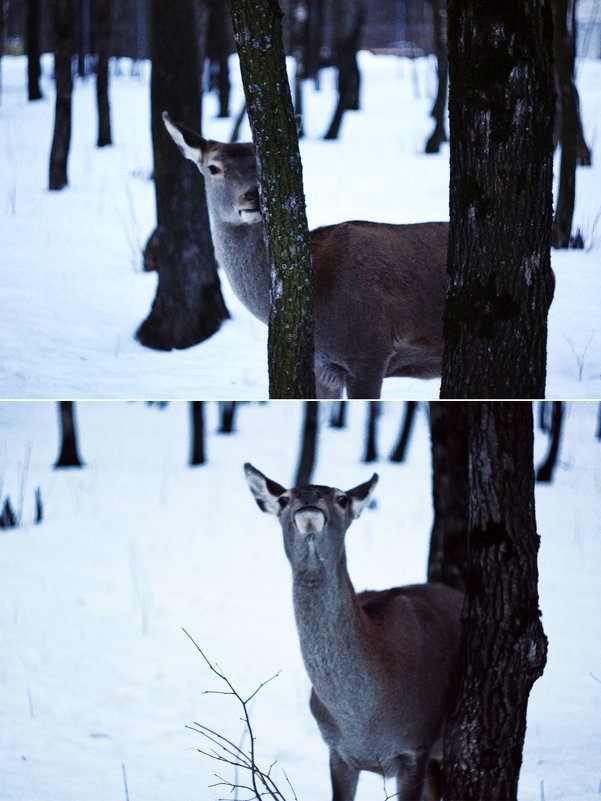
[379, 289]
[382, 663]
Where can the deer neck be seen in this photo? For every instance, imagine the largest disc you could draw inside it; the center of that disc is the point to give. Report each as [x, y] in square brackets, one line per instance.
[332, 632]
[241, 251]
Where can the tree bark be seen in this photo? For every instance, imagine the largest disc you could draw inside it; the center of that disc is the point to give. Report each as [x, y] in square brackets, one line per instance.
[102, 29]
[447, 562]
[400, 449]
[371, 433]
[69, 453]
[545, 471]
[346, 45]
[501, 104]
[306, 463]
[197, 420]
[63, 12]
[34, 70]
[188, 306]
[504, 647]
[258, 35]
[439, 21]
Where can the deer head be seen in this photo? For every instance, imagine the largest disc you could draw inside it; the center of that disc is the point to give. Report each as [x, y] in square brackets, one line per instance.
[314, 519]
[229, 170]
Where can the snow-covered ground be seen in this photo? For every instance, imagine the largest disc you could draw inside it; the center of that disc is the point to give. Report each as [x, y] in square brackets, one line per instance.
[73, 289]
[97, 678]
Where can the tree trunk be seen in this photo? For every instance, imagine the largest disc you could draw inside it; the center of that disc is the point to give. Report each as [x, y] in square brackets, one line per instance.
[197, 420]
[371, 434]
[83, 50]
[306, 463]
[501, 123]
[346, 44]
[69, 453]
[571, 137]
[447, 561]
[102, 26]
[504, 647]
[314, 38]
[271, 115]
[299, 32]
[63, 12]
[218, 52]
[439, 21]
[34, 70]
[545, 471]
[228, 415]
[400, 449]
[188, 307]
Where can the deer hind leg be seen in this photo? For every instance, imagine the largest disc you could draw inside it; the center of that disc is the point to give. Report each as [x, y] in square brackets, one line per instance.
[411, 777]
[344, 778]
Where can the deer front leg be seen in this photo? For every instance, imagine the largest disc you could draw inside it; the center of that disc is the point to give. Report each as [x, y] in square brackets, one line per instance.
[344, 778]
[366, 382]
[411, 776]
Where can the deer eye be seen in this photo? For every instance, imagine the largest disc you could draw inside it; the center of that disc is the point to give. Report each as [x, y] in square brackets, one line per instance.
[214, 170]
[342, 500]
[283, 501]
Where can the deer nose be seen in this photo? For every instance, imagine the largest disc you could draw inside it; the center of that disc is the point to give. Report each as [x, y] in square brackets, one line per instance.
[252, 196]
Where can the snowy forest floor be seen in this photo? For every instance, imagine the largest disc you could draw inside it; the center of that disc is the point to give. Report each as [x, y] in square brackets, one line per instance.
[74, 292]
[97, 677]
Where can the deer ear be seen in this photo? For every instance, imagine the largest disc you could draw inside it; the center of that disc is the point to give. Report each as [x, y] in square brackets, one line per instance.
[360, 495]
[191, 144]
[266, 492]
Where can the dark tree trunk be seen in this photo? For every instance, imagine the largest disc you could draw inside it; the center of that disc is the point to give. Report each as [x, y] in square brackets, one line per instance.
[447, 561]
[400, 449]
[350, 17]
[439, 21]
[83, 50]
[271, 115]
[69, 453]
[39, 507]
[34, 70]
[371, 433]
[504, 647]
[571, 137]
[220, 37]
[544, 416]
[314, 38]
[306, 463]
[228, 416]
[197, 420]
[545, 471]
[102, 26]
[501, 105]
[188, 307]
[63, 12]
[338, 414]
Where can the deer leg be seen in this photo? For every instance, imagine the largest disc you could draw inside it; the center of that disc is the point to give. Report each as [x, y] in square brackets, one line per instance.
[344, 778]
[366, 383]
[411, 777]
[433, 781]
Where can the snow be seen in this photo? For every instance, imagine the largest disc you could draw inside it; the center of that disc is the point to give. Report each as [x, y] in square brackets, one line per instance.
[70, 262]
[97, 677]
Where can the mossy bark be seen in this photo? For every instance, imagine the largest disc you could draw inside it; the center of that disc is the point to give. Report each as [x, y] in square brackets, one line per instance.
[63, 15]
[188, 306]
[504, 647]
[501, 105]
[258, 35]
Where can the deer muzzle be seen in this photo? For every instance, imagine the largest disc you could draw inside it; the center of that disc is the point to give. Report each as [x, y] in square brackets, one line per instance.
[309, 520]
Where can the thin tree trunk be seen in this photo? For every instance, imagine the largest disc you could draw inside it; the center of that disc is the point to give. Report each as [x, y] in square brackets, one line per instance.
[83, 50]
[271, 115]
[63, 16]
[598, 431]
[504, 647]
[338, 414]
[299, 31]
[34, 70]
[228, 415]
[501, 105]
[188, 306]
[103, 25]
[346, 45]
[544, 416]
[545, 471]
[197, 420]
[447, 562]
[69, 453]
[306, 463]
[371, 435]
[219, 50]
[400, 449]
[439, 20]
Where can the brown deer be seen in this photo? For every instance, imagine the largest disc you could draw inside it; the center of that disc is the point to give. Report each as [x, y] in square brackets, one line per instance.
[379, 289]
[382, 663]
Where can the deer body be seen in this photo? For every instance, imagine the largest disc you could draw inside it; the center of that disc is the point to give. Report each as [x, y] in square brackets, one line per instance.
[382, 664]
[379, 289]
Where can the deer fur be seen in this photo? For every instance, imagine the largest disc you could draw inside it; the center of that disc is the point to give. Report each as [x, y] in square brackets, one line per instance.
[379, 289]
[382, 663]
